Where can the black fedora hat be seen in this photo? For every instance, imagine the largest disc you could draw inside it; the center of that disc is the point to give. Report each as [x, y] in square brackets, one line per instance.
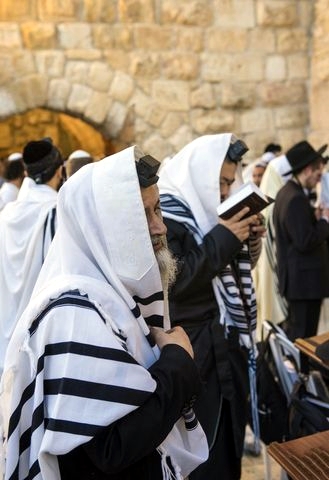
[302, 154]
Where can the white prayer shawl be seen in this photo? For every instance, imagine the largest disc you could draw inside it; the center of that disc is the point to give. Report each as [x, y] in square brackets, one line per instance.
[102, 249]
[192, 176]
[271, 306]
[8, 193]
[25, 233]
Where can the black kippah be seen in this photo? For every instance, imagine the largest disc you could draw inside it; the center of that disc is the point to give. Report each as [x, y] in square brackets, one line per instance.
[41, 159]
[36, 150]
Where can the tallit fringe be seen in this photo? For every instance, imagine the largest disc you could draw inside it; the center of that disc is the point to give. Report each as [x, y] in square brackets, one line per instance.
[167, 474]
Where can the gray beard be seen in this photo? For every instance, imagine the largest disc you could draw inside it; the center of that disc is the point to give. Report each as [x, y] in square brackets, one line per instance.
[167, 266]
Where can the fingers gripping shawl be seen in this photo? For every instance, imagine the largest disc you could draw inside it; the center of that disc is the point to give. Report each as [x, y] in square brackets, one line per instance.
[79, 367]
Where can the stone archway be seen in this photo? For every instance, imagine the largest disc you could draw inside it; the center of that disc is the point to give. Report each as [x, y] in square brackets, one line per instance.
[68, 133]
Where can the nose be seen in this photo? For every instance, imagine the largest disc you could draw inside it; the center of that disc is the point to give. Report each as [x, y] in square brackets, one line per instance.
[156, 226]
[224, 191]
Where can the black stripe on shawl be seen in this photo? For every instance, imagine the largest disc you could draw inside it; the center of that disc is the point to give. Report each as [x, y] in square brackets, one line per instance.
[52, 222]
[56, 349]
[154, 320]
[96, 391]
[148, 300]
[75, 428]
[136, 311]
[90, 351]
[81, 302]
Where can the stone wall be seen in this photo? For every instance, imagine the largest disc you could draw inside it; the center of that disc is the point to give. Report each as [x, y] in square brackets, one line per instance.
[162, 72]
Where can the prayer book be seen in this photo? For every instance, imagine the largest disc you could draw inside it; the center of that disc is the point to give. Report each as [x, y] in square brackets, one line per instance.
[248, 195]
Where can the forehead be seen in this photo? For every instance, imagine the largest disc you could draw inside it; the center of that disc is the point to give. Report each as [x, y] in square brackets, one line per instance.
[228, 170]
[150, 195]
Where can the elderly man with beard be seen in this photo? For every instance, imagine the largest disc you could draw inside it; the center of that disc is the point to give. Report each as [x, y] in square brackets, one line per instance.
[97, 383]
[213, 297]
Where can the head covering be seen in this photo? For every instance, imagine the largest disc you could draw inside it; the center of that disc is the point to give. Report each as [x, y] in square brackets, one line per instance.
[15, 156]
[41, 159]
[267, 157]
[79, 154]
[193, 175]
[101, 219]
[302, 154]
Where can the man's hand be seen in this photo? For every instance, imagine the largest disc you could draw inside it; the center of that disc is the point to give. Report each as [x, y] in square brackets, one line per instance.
[240, 228]
[176, 336]
[258, 228]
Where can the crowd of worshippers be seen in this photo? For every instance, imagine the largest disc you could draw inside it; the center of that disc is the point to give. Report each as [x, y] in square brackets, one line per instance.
[130, 311]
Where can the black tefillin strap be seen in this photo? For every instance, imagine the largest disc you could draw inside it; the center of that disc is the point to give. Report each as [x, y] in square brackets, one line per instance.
[147, 168]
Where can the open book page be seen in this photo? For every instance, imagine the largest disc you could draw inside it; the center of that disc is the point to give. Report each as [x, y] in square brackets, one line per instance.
[248, 195]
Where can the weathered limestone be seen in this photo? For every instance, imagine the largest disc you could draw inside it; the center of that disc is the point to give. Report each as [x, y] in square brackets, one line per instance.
[159, 73]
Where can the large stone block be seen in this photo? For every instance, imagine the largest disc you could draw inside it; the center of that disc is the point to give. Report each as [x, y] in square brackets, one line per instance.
[156, 146]
[7, 103]
[58, 94]
[171, 95]
[180, 66]
[97, 107]
[30, 92]
[145, 65]
[74, 35]
[99, 76]
[244, 67]
[7, 72]
[21, 10]
[181, 137]
[115, 119]
[121, 87]
[275, 93]
[292, 40]
[235, 13]
[58, 10]
[203, 96]
[205, 122]
[50, 63]
[112, 37]
[117, 59]
[10, 36]
[79, 99]
[291, 116]
[189, 38]
[77, 71]
[226, 40]
[153, 37]
[172, 122]
[135, 11]
[277, 13]
[291, 136]
[187, 12]
[256, 120]
[298, 66]
[38, 35]
[262, 40]
[100, 11]
[276, 68]
[237, 95]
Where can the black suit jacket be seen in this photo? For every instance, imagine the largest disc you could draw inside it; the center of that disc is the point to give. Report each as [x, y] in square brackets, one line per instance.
[302, 246]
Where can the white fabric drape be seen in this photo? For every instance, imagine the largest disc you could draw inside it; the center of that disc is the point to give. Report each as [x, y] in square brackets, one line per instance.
[102, 249]
[22, 236]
